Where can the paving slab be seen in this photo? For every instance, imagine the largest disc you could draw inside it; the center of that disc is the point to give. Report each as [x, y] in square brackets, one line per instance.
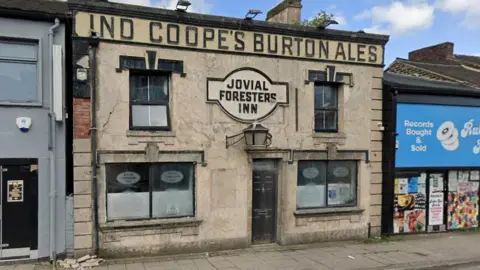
[442, 251]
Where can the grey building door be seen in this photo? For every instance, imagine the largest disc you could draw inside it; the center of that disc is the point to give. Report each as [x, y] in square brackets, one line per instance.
[264, 201]
[18, 215]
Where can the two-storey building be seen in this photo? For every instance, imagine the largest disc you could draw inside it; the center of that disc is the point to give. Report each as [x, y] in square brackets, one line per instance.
[198, 132]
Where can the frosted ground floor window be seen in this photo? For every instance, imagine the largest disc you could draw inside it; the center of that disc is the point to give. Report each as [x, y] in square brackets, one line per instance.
[322, 184]
[149, 190]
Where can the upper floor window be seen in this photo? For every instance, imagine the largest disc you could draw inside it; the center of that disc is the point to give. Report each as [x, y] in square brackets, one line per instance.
[18, 72]
[326, 108]
[149, 101]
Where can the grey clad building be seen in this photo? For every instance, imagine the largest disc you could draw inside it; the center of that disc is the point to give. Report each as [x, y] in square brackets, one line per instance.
[34, 206]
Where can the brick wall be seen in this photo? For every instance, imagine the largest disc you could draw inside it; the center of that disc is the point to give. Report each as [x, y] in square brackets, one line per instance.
[81, 118]
[433, 53]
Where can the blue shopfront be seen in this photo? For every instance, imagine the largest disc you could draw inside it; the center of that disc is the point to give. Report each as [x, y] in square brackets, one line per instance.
[432, 151]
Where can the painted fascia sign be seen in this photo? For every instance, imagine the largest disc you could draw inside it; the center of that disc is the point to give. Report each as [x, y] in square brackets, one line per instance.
[437, 136]
[247, 94]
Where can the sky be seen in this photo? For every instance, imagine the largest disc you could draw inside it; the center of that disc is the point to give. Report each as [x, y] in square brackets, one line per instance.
[411, 24]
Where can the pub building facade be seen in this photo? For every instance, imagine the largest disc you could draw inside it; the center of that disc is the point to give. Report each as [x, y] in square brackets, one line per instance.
[431, 108]
[209, 133]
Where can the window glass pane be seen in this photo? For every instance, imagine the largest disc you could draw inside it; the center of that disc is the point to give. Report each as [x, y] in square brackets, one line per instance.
[325, 96]
[342, 188]
[325, 120]
[149, 116]
[139, 88]
[127, 191]
[172, 190]
[311, 184]
[158, 88]
[18, 82]
[18, 50]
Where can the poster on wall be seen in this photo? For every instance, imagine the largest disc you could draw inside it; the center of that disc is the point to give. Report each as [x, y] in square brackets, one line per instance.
[409, 206]
[462, 210]
[437, 136]
[435, 209]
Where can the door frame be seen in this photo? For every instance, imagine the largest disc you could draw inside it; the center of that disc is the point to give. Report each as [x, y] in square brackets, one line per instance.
[276, 200]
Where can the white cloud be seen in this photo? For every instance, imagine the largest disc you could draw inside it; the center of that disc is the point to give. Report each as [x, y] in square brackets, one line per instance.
[398, 17]
[198, 6]
[470, 8]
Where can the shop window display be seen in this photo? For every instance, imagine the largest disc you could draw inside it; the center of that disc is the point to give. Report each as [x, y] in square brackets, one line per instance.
[409, 204]
[463, 199]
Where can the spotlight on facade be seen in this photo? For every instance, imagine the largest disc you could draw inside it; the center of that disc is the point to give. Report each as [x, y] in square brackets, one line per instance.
[255, 135]
[327, 23]
[182, 5]
[252, 13]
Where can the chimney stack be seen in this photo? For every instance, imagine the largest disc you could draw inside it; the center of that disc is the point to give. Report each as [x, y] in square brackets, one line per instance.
[434, 53]
[288, 11]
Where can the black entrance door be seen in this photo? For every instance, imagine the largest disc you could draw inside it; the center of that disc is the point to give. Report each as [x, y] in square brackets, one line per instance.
[19, 210]
[264, 201]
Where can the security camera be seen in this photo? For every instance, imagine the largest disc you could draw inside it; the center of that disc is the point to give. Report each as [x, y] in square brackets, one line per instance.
[380, 126]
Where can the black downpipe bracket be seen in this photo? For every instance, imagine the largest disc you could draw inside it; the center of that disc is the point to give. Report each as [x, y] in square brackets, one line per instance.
[93, 42]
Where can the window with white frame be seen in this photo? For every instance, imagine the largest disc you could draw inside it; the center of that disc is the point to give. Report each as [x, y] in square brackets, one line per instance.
[149, 190]
[18, 72]
[149, 100]
[326, 107]
[322, 184]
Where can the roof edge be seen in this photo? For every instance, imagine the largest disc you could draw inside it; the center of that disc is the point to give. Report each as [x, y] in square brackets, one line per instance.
[223, 22]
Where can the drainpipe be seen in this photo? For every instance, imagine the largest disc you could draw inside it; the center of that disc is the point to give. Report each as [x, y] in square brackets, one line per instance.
[52, 146]
[94, 41]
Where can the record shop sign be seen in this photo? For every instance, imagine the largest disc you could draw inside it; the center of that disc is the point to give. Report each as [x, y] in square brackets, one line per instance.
[247, 94]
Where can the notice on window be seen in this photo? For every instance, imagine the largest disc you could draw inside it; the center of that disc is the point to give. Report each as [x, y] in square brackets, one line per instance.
[435, 211]
[463, 176]
[403, 186]
[15, 191]
[436, 182]
[452, 181]
[475, 176]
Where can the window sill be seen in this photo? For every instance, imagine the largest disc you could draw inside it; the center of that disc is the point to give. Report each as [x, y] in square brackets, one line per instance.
[158, 224]
[329, 135]
[150, 133]
[329, 211]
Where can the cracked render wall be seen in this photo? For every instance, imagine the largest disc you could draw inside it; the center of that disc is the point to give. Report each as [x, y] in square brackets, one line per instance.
[223, 188]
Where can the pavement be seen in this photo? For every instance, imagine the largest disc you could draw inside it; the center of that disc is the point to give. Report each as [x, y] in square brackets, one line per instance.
[455, 251]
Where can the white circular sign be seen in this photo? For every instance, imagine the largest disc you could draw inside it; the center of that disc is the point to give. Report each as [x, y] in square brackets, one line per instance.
[341, 172]
[310, 173]
[128, 178]
[172, 177]
[247, 94]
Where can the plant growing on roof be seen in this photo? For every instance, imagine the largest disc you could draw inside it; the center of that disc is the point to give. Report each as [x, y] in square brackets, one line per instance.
[321, 20]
